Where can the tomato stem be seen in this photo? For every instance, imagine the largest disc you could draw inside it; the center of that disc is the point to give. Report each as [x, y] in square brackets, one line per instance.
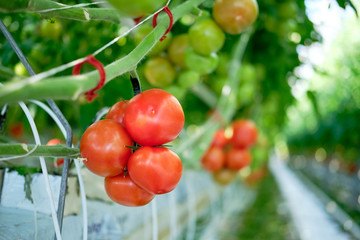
[135, 82]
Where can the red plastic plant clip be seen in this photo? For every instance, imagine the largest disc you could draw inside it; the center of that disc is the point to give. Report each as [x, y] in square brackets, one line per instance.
[90, 95]
[171, 18]
[137, 20]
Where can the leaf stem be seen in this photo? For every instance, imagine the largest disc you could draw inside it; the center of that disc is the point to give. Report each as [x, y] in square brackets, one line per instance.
[19, 149]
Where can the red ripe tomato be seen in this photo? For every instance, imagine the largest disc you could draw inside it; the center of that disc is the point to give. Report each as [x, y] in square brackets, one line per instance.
[17, 130]
[224, 176]
[156, 169]
[104, 145]
[237, 158]
[154, 117]
[213, 159]
[122, 190]
[117, 112]
[234, 16]
[219, 139]
[244, 133]
[54, 141]
[256, 176]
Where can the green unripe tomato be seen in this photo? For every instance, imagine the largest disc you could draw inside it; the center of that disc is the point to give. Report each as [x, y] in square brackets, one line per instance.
[20, 69]
[50, 29]
[137, 8]
[188, 78]
[39, 56]
[206, 37]
[160, 72]
[177, 48]
[248, 72]
[199, 63]
[246, 93]
[287, 10]
[159, 47]
[217, 84]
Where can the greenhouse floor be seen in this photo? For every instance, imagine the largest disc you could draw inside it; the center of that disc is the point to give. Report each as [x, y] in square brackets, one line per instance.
[283, 206]
[308, 212]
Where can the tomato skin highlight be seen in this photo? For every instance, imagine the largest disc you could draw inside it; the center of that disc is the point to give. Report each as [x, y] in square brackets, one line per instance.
[154, 117]
[156, 169]
[237, 158]
[244, 133]
[117, 112]
[103, 144]
[213, 159]
[122, 190]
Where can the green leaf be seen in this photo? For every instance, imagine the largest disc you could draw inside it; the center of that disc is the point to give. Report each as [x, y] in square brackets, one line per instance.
[344, 3]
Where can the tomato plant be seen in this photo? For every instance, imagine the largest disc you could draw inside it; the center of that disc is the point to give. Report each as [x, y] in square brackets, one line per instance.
[159, 71]
[142, 31]
[122, 190]
[234, 16]
[244, 133]
[105, 146]
[154, 117]
[206, 37]
[155, 169]
[199, 63]
[213, 159]
[237, 158]
[137, 8]
[177, 48]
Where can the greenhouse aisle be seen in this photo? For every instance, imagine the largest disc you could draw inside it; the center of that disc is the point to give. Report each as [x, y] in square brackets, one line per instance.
[308, 213]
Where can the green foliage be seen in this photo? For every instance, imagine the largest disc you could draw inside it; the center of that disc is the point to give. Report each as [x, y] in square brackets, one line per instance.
[334, 99]
[264, 92]
[345, 3]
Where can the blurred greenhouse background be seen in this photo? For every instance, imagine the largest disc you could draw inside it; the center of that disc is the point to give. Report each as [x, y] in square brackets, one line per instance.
[294, 73]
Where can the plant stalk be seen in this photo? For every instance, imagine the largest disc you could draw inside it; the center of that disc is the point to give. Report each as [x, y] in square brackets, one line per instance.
[18, 149]
[71, 87]
[73, 13]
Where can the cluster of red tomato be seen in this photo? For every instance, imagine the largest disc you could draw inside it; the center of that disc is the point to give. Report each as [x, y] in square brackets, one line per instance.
[229, 150]
[127, 147]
